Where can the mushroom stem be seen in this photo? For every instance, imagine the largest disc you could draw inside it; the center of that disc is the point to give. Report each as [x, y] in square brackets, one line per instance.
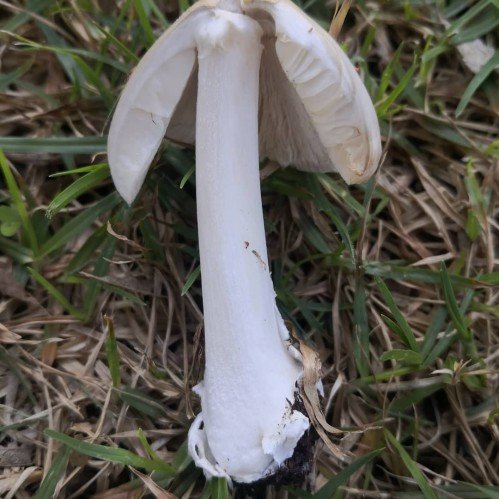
[247, 427]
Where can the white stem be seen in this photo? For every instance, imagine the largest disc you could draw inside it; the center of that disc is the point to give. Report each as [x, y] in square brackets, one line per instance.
[249, 428]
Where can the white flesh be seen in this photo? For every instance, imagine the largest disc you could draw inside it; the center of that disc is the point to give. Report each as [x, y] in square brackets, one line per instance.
[249, 428]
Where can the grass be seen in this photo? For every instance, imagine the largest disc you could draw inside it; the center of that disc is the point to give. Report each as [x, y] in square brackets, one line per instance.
[394, 283]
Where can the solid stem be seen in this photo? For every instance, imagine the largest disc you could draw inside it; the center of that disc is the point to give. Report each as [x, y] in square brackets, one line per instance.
[250, 375]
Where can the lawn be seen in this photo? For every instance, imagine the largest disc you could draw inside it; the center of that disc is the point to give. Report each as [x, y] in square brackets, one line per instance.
[393, 283]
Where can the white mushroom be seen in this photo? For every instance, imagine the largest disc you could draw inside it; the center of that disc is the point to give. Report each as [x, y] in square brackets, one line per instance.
[238, 79]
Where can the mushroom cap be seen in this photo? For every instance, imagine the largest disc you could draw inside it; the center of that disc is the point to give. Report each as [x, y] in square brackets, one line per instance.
[314, 111]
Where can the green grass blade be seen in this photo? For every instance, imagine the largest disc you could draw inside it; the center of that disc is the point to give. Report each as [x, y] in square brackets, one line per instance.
[10, 221]
[467, 16]
[109, 37]
[77, 188]
[387, 74]
[343, 230]
[434, 52]
[219, 488]
[79, 223]
[81, 169]
[492, 279]
[111, 454]
[151, 240]
[191, 279]
[92, 79]
[158, 13]
[14, 76]
[361, 328]
[327, 491]
[331, 186]
[441, 346]
[93, 281]
[100, 269]
[313, 236]
[143, 440]
[328, 208]
[144, 21]
[86, 253]
[141, 402]
[407, 356]
[58, 145]
[18, 252]
[487, 21]
[57, 45]
[479, 202]
[187, 176]
[55, 293]
[394, 327]
[18, 203]
[54, 474]
[393, 270]
[458, 319]
[435, 326]
[182, 458]
[112, 354]
[446, 132]
[411, 467]
[68, 55]
[383, 106]
[385, 375]
[16, 21]
[413, 398]
[475, 83]
[405, 330]
[487, 492]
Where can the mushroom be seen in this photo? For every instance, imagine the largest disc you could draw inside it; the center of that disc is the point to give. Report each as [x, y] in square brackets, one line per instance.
[243, 80]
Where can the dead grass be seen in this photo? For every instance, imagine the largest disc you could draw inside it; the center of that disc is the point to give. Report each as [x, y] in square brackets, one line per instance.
[101, 327]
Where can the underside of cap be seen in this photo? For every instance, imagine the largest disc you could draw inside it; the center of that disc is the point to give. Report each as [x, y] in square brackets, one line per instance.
[148, 102]
[306, 131]
[315, 112]
[321, 118]
[286, 132]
